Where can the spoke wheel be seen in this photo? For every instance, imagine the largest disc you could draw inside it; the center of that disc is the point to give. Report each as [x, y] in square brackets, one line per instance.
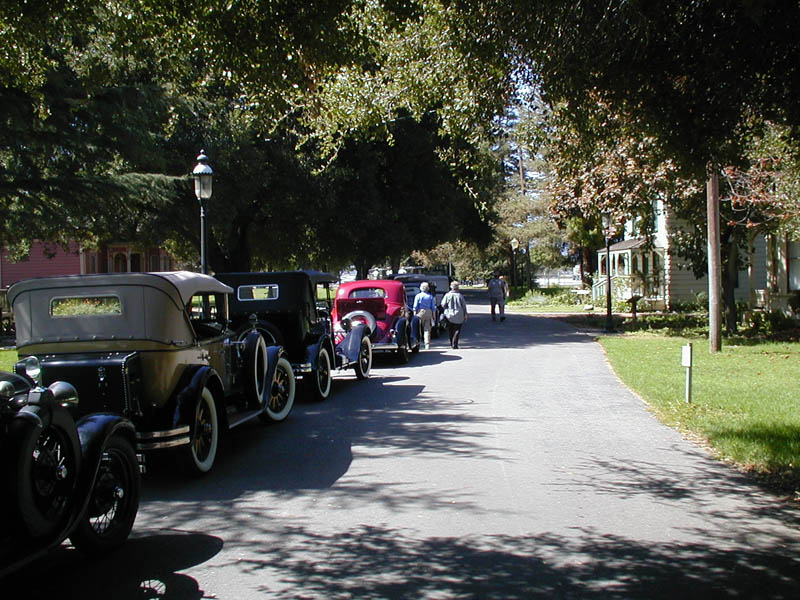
[321, 379]
[281, 397]
[364, 362]
[202, 449]
[114, 502]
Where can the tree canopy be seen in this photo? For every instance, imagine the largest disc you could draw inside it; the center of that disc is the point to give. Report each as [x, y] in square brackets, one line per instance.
[105, 103]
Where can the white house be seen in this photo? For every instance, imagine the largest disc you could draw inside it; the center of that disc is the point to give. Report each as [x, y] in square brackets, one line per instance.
[654, 274]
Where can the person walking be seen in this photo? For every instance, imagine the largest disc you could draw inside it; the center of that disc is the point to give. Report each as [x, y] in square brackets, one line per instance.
[506, 289]
[455, 311]
[425, 307]
[497, 296]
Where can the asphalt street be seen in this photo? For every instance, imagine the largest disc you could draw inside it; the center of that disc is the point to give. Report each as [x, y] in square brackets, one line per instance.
[517, 466]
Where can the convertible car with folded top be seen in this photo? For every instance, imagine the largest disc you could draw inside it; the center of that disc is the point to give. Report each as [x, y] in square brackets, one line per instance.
[155, 348]
[381, 305]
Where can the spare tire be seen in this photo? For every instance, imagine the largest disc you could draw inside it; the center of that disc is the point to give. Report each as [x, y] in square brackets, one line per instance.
[365, 317]
[256, 364]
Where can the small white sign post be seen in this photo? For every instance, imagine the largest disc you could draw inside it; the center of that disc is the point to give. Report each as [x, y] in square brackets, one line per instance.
[686, 361]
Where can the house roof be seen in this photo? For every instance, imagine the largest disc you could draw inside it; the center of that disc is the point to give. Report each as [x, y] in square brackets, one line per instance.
[631, 244]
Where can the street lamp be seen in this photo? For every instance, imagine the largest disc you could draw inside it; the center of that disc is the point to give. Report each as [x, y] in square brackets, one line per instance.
[514, 246]
[203, 175]
[607, 232]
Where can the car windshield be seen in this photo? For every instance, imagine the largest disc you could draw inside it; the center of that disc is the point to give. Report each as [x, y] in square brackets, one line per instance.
[368, 293]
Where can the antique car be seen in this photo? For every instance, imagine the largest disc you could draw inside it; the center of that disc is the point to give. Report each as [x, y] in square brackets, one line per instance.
[439, 286]
[62, 478]
[288, 313]
[381, 305]
[155, 348]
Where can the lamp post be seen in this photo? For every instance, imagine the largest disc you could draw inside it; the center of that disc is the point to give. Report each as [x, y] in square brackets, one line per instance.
[203, 175]
[514, 246]
[607, 233]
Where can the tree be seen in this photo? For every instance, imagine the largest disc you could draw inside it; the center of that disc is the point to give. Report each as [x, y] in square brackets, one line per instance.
[390, 198]
[676, 66]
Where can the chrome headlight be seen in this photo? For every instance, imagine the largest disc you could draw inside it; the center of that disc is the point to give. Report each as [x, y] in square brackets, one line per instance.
[32, 368]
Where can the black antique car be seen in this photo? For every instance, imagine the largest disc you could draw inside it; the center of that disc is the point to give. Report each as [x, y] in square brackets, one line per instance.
[61, 478]
[155, 348]
[287, 310]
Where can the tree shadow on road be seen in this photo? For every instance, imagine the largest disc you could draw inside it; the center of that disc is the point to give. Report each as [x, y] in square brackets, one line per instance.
[147, 566]
[375, 562]
[313, 448]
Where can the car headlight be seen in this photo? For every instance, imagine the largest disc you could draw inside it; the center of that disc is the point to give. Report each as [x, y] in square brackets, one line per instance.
[31, 367]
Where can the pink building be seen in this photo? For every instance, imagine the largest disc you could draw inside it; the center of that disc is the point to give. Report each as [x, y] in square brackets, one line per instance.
[48, 259]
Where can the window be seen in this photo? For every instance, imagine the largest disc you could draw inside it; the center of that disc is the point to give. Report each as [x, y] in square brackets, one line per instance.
[794, 265]
[120, 263]
[136, 263]
[154, 262]
[85, 306]
[267, 291]
[368, 293]
[204, 307]
[656, 214]
[207, 314]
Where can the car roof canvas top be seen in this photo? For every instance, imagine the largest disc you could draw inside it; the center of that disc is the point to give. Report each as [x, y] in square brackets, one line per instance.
[295, 289]
[151, 302]
[185, 283]
[189, 283]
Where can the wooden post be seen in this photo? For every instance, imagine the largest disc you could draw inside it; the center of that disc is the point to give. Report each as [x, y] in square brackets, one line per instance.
[714, 266]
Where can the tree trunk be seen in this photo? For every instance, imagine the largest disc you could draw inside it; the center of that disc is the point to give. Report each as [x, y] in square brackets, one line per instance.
[362, 269]
[729, 282]
[585, 266]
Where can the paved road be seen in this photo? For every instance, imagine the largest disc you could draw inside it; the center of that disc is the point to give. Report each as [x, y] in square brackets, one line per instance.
[514, 467]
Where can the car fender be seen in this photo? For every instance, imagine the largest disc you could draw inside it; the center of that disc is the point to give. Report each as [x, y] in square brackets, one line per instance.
[414, 331]
[191, 385]
[312, 351]
[401, 327]
[94, 430]
[23, 426]
[28, 422]
[23, 429]
[273, 354]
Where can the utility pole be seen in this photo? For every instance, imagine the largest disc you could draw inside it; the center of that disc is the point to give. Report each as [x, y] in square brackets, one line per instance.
[714, 265]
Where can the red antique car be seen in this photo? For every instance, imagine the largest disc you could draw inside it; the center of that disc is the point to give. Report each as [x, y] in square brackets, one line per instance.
[381, 305]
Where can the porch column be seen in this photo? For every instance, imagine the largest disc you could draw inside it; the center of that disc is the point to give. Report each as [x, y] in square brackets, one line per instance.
[751, 269]
[782, 260]
[771, 250]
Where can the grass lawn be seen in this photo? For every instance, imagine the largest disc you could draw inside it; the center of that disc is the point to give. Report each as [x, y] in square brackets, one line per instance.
[545, 300]
[745, 400]
[7, 360]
